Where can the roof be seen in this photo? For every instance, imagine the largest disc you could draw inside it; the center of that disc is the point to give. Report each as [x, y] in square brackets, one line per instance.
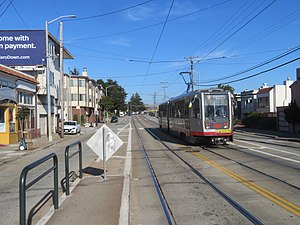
[18, 74]
[66, 53]
[264, 90]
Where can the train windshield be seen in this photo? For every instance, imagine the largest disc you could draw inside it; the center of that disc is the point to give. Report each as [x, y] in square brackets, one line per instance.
[216, 107]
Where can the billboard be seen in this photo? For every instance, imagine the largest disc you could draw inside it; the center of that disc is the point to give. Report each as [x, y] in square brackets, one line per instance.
[22, 47]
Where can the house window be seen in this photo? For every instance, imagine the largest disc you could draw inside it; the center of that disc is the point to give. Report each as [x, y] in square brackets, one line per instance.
[263, 102]
[51, 74]
[73, 83]
[25, 98]
[74, 97]
[82, 97]
[2, 119]
[81, 83]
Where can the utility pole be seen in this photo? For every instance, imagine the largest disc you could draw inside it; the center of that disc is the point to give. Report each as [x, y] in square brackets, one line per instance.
[61, 60]
[165, 86]
[192, 59]
[154, 100]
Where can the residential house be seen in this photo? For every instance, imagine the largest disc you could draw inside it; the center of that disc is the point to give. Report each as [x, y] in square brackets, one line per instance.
[269, 98]
[282, 124]
[248, 102]
[17, 89]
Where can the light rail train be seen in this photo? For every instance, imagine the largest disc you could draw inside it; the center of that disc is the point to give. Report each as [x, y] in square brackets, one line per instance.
[199, 116]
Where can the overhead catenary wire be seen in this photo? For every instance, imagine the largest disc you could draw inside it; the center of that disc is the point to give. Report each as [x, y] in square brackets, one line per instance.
[112, 12]
[297, 48]
[256, 74]
[266, 32]
[9, 4]
[158, 41]
[19, 15]
[240, 28]
[151, 25]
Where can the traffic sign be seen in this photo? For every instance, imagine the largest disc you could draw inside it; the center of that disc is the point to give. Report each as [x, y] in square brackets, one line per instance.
[104, 143]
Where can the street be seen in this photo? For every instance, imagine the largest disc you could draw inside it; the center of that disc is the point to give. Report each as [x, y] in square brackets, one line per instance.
[259, 172]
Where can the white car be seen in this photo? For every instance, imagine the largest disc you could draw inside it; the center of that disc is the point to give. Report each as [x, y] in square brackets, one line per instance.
[71, 127]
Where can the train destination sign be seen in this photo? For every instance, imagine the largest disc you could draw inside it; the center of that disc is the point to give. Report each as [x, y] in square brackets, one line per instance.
[22, 47]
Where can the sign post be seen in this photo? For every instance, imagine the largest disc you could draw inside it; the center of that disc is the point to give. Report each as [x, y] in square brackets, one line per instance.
[104, 143]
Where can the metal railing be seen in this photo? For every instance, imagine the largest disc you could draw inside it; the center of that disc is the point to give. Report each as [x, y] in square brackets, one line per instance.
[68, 156]
[23, 186]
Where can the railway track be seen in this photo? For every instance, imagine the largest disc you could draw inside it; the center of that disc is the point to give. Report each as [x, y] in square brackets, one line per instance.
[168, 211]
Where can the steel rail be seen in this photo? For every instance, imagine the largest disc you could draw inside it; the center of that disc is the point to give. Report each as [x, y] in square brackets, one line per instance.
[163, 201]
[235, 204]
[250, 168]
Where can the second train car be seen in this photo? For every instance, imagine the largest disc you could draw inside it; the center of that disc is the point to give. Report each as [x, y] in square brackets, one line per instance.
[199, 116]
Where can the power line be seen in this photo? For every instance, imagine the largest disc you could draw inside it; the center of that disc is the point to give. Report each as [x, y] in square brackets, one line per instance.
[257, 66]
[20, 16]
[113, 12]
[151, 25]
[257, 74]
[240, 28]
[6, 8]
[158, 41]
[266, 32]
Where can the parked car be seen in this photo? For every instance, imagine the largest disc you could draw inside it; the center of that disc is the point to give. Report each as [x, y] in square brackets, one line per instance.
[71, 127]
[114, 119]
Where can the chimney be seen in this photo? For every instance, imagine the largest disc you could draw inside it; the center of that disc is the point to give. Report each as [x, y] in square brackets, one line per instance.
[84, 72]
[298, 74]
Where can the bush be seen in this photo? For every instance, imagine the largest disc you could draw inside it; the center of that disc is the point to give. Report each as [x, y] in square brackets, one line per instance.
[75, 118]
[260, 121]
[82, 119]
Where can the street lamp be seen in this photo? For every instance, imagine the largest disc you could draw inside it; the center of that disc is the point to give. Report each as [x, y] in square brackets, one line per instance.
[48, 75]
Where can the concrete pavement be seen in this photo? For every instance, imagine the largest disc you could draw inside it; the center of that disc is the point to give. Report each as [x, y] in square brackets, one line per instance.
[94, 200]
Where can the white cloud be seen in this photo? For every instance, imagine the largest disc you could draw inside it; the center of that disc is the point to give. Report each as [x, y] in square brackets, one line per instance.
[118, 41]
[140, 13]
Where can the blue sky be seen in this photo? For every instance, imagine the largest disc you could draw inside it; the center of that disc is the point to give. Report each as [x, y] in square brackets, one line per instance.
[130, 41]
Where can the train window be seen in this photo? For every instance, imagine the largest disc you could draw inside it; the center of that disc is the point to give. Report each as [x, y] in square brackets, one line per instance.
[216, 107]
[196, 109]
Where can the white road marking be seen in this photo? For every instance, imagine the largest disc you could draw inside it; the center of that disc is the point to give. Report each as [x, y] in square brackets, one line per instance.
[124, 209]
[265, 153]
[274, 149]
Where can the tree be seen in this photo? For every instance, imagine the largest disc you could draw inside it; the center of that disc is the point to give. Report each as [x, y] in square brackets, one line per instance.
[74, 72]
[292, 114]
[22, 115]
[226, 88]
[116, 95]
[136, 103]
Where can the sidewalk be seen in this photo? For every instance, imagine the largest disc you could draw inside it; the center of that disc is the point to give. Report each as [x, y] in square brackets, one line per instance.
[12, 152]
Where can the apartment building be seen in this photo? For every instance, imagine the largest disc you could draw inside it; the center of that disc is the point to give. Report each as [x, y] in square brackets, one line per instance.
[85, 95]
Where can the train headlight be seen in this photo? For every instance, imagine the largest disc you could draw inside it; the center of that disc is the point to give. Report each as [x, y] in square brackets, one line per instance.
[207, 125]
[226, 124]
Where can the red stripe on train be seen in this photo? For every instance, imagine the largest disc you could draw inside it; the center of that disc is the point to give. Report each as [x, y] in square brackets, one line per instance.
[194, 133]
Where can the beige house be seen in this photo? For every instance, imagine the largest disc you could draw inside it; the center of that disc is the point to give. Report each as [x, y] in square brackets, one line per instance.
[85, 95]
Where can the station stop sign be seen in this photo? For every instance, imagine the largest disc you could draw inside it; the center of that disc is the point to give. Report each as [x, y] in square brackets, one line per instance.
[104, 142]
